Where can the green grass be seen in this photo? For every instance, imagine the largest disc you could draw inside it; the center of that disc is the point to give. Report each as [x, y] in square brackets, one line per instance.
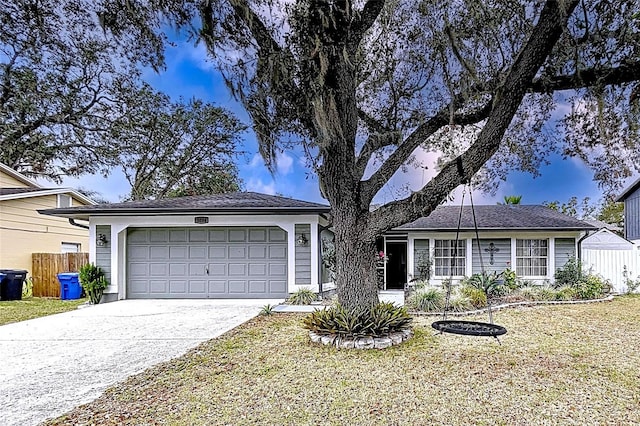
[34, 307]
[568, 364]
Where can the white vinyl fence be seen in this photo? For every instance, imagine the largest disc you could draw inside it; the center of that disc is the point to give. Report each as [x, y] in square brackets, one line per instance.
[610, 264]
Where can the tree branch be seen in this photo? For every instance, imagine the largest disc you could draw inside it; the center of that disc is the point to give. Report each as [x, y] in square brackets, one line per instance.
[544, 36]
[370, 13]
[624, 73]
[371, 186]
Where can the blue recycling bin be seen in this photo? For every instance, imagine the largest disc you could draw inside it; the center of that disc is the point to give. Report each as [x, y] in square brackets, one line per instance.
[70, 287]
[11, 283]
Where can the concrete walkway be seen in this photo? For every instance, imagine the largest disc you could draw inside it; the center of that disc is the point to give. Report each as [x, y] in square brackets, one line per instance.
[52, 364]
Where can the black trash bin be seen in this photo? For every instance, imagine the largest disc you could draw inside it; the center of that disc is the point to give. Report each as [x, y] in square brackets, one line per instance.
[11, 284]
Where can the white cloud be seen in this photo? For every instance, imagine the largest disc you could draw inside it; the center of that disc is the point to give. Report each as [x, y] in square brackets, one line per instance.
[256, 161]
[257, 185]
[285, 163]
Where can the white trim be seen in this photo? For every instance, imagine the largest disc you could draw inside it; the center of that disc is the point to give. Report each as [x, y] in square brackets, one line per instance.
[44, 192]
[120, 224]
[19, 176]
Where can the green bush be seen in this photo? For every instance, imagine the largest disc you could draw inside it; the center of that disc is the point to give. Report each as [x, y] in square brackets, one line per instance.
[427, 299]
[477, 297]
[380, 320]
[93, 282]
[458, 302]
[545, 294]
[489, 283]
[631, 285]
[565, 293]
[590, 287]
[303, 296]
[569, 274]
[510, 279]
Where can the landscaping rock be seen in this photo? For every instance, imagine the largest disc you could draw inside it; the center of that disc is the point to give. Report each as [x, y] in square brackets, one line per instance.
[364, 343]
[382, 342]
[315, 338]
[396, 338]
[328, 339]
[347, 344]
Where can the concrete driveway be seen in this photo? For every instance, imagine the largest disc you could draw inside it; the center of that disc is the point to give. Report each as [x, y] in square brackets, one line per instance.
[52, 364]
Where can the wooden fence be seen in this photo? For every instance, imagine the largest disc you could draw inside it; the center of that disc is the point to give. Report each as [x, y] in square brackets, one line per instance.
[46, 266]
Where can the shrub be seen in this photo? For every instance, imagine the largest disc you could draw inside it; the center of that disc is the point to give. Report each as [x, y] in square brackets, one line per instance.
[379, 320]
[459, 303]
[590, 287]
[545, 293]
[528, 292]
[489, 283]
[569, 274]
[303, 296]
[427, 300]
[630, 285]
[510, 279]
[476, 296]
[565, 293]
[267, 310]
[93, 282]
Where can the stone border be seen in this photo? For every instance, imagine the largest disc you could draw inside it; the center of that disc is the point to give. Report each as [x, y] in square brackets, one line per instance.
[367, 342]
[513, 305]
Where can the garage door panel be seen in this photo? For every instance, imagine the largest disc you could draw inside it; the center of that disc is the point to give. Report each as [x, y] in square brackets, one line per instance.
[277, 252]
[178, 252]
[198, 252]
[158, 235]
[258, 252]
[237, 286]
[158, 252]
[207, 262]
[237, 235]
[257, 286]
[277, 270]
[197, 269]
[198, 287]
[276, 286]
[236, 269]
[218, 252]
[138, 252]
[257, 269]
[178, 286]
[217, 287]
[178, 269]
[158, 286]
[218, 269]
[158, 269]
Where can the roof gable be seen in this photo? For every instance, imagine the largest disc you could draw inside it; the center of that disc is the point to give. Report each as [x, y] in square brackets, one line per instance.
[497, 217]
[604, 239]
[16, 176]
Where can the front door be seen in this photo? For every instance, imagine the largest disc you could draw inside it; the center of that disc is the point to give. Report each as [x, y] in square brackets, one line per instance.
[396, 267]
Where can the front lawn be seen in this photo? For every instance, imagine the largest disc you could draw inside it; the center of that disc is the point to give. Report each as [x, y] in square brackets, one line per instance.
[568, 364]
[34, 307]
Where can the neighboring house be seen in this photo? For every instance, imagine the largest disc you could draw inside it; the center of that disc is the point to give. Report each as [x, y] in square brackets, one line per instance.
[240, 245]
[534, 241]
[250, 245]
[609, 255]
[631, 199]
[23, 231]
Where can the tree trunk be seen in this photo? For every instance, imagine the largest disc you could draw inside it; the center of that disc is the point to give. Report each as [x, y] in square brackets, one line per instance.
[355, 263]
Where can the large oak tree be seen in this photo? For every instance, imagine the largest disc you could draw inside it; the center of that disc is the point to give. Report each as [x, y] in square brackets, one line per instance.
[360, 85]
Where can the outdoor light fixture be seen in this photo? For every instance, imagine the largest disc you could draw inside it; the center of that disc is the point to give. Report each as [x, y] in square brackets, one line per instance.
[301, 240]
[102, 240]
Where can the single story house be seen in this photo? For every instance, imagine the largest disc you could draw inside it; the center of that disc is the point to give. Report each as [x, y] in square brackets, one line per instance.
[250, 245]
[532, 240]
[239, 245]
[23, 231]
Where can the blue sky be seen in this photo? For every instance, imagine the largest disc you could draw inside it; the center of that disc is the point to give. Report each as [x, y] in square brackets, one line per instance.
[188, 74]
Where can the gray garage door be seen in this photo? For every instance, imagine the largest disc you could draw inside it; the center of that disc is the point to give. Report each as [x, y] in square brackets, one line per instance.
[205, 263]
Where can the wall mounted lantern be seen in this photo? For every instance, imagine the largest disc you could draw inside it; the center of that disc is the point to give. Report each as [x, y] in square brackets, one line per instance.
[301, 240]
[102, 240]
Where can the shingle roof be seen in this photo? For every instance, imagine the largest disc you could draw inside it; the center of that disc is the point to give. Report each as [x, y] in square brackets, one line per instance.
[497, 217]
[12, 191]
[246, 202]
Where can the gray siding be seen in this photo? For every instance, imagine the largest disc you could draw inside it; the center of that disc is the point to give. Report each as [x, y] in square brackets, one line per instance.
[103, 253]
[632, 216]
[565, 250]
[303, 256]
[420, 252]
[501, 255]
